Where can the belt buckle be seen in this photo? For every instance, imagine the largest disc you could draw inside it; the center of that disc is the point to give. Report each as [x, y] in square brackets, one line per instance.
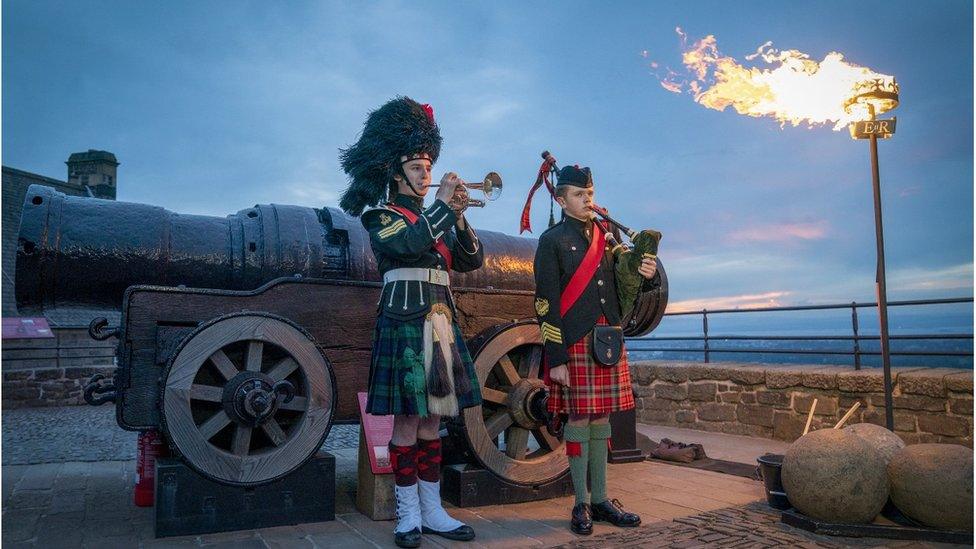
[438, 276]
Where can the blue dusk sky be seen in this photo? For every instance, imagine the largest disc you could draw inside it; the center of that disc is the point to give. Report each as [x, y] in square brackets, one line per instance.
[212, 107]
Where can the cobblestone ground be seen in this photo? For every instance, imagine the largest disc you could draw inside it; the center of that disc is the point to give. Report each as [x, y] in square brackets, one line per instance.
[89, 433]
[746, 526]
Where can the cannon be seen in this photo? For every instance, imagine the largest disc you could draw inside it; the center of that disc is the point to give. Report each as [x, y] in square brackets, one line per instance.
[244, 338]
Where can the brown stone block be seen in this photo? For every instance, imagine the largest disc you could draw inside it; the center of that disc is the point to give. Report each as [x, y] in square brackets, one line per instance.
[685, 416]
[844, 402]
[960, 383]
[670, 391]
[826, 405]
[671, 372]
[944, 425]
[702, 392]
[861, 381]
[963, 406]
[659, 404]
[656, 416]
[778, 399]
[697, 372]
[789, 426]
[717, 372]
[913, 402]
[17, 376]
[48, 374]
[825, 378]
[781, 378]
[928, 381]
[904, 421]
[755, 415]
[643, 391]
[747, 398]
[733, 398]
[643, 373]
[79, 373]
[712, 411]
[748, 375]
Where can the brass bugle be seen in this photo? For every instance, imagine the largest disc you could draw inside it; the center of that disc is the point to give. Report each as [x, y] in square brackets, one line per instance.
[491, 186]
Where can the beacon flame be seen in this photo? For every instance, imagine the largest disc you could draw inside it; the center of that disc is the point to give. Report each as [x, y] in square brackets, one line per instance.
[792, 88]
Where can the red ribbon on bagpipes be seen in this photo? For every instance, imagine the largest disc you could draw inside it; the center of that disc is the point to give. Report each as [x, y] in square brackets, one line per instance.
[543, 177]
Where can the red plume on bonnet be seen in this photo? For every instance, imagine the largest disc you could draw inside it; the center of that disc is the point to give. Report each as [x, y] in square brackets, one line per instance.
[430, 112]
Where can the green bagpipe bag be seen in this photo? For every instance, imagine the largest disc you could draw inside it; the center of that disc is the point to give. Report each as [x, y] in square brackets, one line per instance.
[629, 281]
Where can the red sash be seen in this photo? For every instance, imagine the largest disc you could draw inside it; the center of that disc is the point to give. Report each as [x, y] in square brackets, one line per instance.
[439, 244]
[584, 273]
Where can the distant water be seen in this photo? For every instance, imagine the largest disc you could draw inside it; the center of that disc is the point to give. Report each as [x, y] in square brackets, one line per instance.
[956, 319]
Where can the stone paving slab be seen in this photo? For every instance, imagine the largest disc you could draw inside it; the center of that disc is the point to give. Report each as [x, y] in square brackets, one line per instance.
[750, 525]
[79, 504]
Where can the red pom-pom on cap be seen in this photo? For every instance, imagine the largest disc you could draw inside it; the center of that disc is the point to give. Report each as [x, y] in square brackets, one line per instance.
[429, 110]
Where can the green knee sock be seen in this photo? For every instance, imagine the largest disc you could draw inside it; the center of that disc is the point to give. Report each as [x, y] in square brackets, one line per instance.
[599, 433]
[577, 447]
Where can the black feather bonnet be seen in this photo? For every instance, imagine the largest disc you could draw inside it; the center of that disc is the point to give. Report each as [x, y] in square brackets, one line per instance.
[399, 131]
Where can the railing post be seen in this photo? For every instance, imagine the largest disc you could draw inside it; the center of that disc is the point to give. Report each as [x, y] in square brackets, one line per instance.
[705, 331]
[857, 342]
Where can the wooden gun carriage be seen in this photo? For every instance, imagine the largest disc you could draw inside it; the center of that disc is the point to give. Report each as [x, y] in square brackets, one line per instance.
[244, 338]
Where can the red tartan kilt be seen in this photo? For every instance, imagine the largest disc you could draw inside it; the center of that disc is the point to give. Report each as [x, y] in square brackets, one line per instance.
[593, 389]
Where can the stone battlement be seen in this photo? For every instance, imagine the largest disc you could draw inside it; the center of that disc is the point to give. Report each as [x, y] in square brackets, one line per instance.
[773, 400]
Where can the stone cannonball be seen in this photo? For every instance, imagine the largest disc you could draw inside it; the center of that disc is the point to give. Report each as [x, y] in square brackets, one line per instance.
[884, 440]
[836, 476]
[933, 484]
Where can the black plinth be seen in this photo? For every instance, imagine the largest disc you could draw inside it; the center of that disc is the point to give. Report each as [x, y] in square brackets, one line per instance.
[793, 517]
[472, 486]
[187, 503]
[623, 441]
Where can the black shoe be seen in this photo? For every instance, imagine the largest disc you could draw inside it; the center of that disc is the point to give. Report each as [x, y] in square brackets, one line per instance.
[611, 511]
[582, 522]
[409, 539]
[461, 533]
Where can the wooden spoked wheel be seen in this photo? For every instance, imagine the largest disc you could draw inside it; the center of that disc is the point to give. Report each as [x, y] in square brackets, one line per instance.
[248, 398]
[507, 433]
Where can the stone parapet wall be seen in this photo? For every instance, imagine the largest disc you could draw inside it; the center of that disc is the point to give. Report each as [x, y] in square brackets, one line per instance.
[772, 401]
[53, 371]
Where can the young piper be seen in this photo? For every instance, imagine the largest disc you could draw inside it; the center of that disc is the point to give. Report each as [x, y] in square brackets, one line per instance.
[576, 297]
[420, 369]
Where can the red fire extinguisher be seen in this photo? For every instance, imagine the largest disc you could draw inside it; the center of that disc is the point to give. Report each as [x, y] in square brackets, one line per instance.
[150, 447]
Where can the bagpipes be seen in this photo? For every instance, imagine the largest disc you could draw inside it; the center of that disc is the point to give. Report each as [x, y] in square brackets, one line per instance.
[628, 260]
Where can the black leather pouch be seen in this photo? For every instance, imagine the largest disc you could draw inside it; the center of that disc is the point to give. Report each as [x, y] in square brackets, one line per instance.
[608, 345]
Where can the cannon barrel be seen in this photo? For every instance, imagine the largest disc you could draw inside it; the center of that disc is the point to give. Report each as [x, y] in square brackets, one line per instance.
[84, 252]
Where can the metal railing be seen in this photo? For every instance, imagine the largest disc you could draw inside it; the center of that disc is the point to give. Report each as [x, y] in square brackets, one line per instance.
[855, 338]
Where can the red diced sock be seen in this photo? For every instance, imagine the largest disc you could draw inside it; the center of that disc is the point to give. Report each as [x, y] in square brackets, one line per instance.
[429, 460]
[404, 462]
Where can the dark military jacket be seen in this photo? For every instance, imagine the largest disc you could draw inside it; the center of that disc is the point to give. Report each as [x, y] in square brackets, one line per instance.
[561, 250]
[396, 243]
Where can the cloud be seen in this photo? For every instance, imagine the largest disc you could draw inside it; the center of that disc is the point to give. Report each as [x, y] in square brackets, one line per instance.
[747, 301]
[954, 277]
[780, 232]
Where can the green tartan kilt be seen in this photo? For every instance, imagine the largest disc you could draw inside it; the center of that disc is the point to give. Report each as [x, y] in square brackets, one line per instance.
[397, 384]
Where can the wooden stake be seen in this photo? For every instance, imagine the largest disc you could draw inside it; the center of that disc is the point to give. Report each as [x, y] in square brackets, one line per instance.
[848, 415]
[810, 416]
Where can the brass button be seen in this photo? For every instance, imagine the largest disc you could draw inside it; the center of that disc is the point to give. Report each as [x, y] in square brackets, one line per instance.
[573, 248]
[603, 300]
[599, 282]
